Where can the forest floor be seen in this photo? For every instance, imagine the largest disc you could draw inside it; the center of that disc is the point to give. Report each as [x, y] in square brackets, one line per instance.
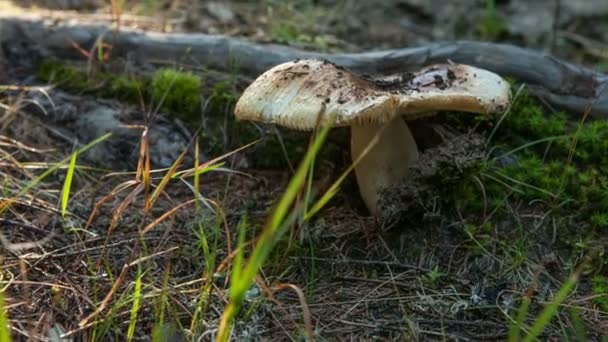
[514, 243]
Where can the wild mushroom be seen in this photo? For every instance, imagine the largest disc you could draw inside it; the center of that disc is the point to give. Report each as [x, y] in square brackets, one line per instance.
[291, 95]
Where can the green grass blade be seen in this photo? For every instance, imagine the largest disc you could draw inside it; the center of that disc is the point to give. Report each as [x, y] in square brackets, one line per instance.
[273, 230]
[5, 334]
[530, 144]
[327, 196]
[240, 253]
[67, 185]
[578, 324]
[209, 254]
[196, 181]
[157, 330]
[136, 303]
[99, 49]
[333, 189]
[52, 169]
[515, 328]
[168, 176]
[547, 314]
[263, 247]
[188, 173]
[308, 193]
[201, 170]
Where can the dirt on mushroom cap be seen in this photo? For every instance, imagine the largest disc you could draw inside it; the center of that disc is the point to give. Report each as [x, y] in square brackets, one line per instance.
[292, 94]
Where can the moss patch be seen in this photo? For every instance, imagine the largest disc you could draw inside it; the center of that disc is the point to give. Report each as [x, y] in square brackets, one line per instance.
[177, 92]
[127, 88]
[181, 93]
[130, 89]
[537, 164]
[542, 157]
[528, 121]
[65, 77]
[555, 160]
[600, 289]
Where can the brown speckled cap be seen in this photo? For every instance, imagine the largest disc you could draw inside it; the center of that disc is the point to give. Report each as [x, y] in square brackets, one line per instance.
[292, 94]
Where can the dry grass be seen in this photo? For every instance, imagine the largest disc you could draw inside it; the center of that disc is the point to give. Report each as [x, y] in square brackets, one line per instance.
[354, 280]
[147, 254]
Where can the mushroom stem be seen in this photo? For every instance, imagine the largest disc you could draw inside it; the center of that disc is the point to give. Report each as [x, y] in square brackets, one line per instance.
[387, 162]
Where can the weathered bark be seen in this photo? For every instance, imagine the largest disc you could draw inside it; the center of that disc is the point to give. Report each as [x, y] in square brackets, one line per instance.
[558, 82]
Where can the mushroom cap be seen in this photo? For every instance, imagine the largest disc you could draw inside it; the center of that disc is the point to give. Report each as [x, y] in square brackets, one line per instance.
[292, 94]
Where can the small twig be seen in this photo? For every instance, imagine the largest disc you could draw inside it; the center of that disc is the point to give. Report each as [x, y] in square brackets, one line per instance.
[119, 281]
[305, 310]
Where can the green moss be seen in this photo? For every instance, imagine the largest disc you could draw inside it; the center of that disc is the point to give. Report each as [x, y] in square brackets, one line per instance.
[527, 121]
[592, 143]
[600, 289]
[68, 78]
[130, 89]
[537, 178]
[542, 171]
[179, 92]
[553, 182]
[176, 91]
[600, 220]
[183, 97]
[127, 89]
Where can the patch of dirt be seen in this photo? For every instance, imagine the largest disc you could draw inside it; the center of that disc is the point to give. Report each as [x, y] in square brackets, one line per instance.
[78, 120]
[433, 173]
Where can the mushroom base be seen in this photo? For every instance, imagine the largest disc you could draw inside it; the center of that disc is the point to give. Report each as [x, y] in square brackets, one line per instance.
[387, 162]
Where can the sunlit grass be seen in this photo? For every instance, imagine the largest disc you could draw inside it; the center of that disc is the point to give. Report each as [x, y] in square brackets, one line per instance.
[544, 318]
[137, 297]
[67, 185]
[243, 272]
[120, 297]
[34, 182]
[5, 333]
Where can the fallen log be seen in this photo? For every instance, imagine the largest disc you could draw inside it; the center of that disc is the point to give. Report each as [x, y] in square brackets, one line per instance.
[558, 82]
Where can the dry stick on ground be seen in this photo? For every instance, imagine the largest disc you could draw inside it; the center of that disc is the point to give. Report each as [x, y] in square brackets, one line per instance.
[559, 83]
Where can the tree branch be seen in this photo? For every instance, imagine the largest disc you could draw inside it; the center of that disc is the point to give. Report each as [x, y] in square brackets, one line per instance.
[559, 83]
